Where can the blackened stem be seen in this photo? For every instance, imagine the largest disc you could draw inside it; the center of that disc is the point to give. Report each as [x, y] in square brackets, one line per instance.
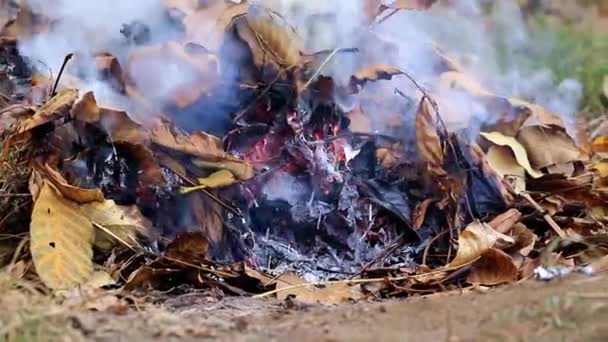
[65, 62]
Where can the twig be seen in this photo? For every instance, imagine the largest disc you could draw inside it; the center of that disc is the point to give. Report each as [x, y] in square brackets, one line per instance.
[240, 115]
[107, 231]
[205, 192]
[363, 281]
[65, 62]
[560, 232]
[318, 72]
[200, 268]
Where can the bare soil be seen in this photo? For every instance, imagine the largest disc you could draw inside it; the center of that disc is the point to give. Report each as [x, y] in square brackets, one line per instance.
[572, 309]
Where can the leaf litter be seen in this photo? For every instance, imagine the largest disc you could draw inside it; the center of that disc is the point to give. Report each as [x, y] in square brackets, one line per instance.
[294, 197]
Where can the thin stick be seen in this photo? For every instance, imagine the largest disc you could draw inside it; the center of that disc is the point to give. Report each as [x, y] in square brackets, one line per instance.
[107, 231]
[560, 232]
[200, 268]
[318, 72]
[65, 62]
[362, 281]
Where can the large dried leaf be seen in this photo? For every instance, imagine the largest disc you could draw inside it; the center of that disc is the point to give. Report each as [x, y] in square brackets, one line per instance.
[428, 142]
[502, 160]
[126, 224]
[521, 154]
[61, 240]
[55, 108]
[76, 194]
[327, 294]
[495, 267]
[548, 146]
[115, 123]
[476, 239]
[198, 144]
[274, 40]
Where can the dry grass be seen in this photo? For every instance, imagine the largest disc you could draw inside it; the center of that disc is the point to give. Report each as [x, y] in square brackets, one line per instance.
[28, 314]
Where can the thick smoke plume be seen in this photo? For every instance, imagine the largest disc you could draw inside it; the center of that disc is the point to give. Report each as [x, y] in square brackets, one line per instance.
[461, 29]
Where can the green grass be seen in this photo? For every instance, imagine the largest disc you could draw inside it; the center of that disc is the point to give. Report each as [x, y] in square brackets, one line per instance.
[569, 52]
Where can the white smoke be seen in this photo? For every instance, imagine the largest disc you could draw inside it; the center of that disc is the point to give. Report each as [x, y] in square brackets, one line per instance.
[461, 29]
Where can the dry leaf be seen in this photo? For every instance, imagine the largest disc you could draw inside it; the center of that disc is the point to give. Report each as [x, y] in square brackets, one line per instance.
[115, 123]
[125, 223]
[76, 194]
[521, 155]
[419, 214]
[548, 146]
[53, 109]
[524, 239]
[327, 294]
[61, 238]
[505, 221]
[474, 240]
[502, 160]
[372, 73]
[428, 142]
[189, 247]
[198, 144]
[273, 40]
[495, 267]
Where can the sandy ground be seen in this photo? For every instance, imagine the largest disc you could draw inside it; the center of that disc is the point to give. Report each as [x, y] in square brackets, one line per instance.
[573, 309]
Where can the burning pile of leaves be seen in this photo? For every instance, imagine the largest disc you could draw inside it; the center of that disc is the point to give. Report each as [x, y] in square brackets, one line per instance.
[293, 195]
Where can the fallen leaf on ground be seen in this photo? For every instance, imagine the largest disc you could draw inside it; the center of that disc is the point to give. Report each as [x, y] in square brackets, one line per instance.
[524, 239]
[502, 160]
[76, 194]
[115, 123]
[520, 152]
[548, 146]
[475, 240]
[327, 294]
[188, 247]
[61, 240]
[494, 268]
[53, 109]
[505, 221]
[124, 224]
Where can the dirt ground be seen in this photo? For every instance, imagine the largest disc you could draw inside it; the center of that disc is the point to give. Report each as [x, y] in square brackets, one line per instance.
[572, 309]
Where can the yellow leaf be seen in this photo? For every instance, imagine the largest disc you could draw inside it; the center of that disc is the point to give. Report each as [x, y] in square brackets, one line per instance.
[61, 240]
[521, 155]
[475, 240]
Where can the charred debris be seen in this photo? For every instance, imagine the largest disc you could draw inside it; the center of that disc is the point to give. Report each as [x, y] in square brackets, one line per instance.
[257, 177]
